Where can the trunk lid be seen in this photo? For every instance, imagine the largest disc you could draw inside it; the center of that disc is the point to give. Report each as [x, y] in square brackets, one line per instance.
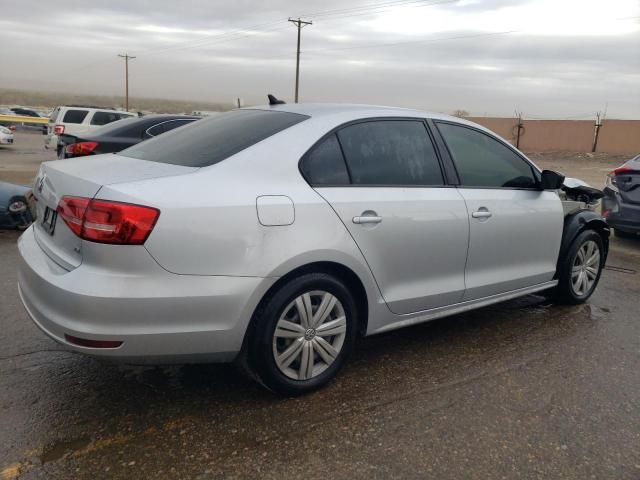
[83, 177]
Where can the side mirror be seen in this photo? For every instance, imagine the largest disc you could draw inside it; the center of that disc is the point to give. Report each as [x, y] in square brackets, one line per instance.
[551, 180]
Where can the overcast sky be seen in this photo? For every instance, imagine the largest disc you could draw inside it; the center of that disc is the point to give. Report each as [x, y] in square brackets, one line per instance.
[546, 58]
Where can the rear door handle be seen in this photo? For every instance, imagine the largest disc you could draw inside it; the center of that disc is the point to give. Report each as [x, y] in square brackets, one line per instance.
[482, 213]
[366, 219]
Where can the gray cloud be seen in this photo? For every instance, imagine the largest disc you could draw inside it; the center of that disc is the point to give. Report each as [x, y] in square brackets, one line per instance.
[353, 53]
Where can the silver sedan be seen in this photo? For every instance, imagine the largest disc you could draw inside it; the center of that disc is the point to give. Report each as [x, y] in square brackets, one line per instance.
[277, 235]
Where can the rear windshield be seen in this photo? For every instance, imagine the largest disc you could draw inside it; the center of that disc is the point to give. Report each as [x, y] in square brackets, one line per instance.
[211, 140]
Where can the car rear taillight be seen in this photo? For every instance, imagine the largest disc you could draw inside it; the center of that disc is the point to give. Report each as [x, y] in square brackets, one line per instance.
[58, 129]
[104, 221]
[623, 170]
[81, 148]
[611, 182]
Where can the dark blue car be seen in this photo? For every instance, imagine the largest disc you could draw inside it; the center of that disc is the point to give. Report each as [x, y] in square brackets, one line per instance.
[621, 202]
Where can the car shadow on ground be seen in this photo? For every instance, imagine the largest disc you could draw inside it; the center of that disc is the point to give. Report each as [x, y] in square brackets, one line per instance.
[433, 352]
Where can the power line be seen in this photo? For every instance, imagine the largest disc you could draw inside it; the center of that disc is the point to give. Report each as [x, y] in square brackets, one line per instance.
[223, 37]
[407, 42]
[370, 9]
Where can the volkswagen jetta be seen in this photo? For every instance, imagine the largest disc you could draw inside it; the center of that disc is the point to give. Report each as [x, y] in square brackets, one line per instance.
[279, 234]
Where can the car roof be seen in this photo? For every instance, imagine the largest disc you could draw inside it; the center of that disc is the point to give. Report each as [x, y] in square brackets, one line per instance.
[169, 116]
[93, 107]
[359, 110]
[348, 112]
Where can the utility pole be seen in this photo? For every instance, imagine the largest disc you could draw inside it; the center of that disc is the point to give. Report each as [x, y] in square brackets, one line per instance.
[298, 23]
[598, 125]
[126, 57]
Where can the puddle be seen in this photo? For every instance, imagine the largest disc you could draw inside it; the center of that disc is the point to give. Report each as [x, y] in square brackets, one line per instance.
[57, 450]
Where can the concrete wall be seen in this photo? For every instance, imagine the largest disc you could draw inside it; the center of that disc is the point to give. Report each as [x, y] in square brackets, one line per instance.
[616, 136]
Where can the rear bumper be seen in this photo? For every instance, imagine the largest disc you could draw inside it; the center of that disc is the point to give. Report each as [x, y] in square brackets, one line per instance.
[160, 317]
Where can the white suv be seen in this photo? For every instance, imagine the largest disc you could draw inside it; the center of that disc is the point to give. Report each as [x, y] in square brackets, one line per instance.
[75, 119]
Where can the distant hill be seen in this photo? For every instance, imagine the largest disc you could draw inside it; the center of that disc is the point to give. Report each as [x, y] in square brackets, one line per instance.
[158, 105]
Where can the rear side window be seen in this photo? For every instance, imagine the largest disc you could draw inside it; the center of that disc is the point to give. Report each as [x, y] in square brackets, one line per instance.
[390, 152]
[166, 126]
[74, 116]
[103, 118]
[324, 164]
[483, 161]
[211, 140]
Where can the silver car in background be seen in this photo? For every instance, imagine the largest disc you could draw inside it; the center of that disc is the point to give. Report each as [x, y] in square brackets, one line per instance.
[276, 235]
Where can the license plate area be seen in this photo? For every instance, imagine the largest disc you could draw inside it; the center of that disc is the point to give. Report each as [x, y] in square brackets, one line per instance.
[49, 220]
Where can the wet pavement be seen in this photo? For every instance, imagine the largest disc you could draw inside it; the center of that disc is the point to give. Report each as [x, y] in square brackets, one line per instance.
[519, 390]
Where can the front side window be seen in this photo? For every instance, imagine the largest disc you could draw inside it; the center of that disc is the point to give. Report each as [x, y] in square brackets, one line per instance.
[212, 139]
[483, 161]
[324, 164]
[390, 152]
[74, 116]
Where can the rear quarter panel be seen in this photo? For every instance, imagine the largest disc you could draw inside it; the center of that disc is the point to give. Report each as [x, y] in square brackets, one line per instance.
[209, 224]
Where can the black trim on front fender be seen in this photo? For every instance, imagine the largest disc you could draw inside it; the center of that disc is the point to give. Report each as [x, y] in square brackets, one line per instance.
[578, 222]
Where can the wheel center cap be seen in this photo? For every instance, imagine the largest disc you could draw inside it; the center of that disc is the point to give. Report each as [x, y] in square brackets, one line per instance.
[309, 334]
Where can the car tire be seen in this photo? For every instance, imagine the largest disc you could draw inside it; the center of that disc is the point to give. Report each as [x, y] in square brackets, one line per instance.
[580, 262]
[285, 351]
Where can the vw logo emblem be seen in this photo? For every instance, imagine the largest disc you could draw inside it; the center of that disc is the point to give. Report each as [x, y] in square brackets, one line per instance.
[309, 334]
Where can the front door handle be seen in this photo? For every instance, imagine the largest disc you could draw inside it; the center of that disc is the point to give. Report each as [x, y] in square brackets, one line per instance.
[367, 217]
[481, 213]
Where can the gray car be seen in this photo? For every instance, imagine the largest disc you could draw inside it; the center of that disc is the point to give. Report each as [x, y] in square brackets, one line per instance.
[621, 202]
[277, 235]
